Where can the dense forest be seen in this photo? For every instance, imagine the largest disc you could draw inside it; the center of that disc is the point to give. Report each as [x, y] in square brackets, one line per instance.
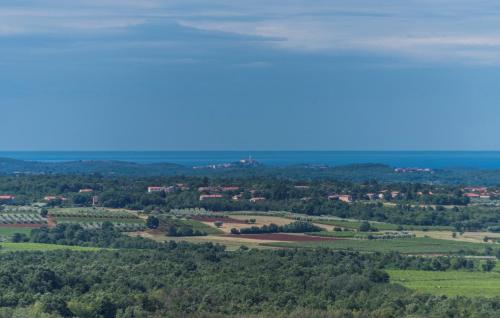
[353, 172]
[184, 280]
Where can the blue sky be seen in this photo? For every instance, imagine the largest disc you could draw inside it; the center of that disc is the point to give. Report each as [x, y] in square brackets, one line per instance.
[249, 75]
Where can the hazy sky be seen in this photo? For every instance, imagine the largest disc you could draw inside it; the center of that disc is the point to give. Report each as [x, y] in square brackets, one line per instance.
[239, 75]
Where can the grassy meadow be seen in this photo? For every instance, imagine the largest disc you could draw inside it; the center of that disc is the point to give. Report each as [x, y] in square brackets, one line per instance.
[421, 245]
[14, 247]
[451, 283]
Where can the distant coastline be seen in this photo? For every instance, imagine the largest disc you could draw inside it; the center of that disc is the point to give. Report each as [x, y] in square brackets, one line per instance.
[407, 159]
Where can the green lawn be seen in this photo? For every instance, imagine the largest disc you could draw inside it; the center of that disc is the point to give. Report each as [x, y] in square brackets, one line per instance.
[12, 247]
[9, 231]
[452, 283]
[421, 245]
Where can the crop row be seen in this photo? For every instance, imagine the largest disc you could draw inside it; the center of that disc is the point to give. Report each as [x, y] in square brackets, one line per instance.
[125, 227]
[92, 214]
[188, 211]
[24, 218]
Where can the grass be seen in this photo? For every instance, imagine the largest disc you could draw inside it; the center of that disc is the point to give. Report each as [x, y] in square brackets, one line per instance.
[344, 234]
[421, 245]
[9, 231]
[12, 247]
[452, 283]
[196, 225]
[100, 220]
[353, 224]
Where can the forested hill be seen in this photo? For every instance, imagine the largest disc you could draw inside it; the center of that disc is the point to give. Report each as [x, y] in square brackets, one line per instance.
[105, 167]
[355, 172]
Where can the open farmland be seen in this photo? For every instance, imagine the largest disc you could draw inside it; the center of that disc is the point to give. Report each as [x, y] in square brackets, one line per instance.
[20, 219]
[355, 224]
[230, 242]
[91, 218]
[284, 237]
[202, 227]
[422, 245]
[473, 237]
[7, 232]
[92, 213]
[243, 221]
[451, 283]
[194, 224]
[14, 247]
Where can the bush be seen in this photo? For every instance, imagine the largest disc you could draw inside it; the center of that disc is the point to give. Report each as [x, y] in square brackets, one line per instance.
[235, 231]
[152, 222]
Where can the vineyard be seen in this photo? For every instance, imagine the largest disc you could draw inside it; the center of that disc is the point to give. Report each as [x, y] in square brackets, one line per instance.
[92, 225]
[22, 218]
[94, 218]
[95, 214]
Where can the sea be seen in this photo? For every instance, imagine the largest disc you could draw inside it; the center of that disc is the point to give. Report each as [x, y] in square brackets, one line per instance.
[407, 159]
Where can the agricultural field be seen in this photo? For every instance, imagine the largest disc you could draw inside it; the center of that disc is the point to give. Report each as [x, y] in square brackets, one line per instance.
[472, 237]
[22, 218]
[19, 220]
[14, 247]
[341, 234]
[202, 227]
[354, 225]
[426, 243]
[416, 246]
[94, 213]
[191, 222]
[450, 283]
[91, 218]
[242, 221]
[230, 242]
[7, 232]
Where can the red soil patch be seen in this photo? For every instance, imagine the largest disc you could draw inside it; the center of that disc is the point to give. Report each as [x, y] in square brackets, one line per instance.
[215, 219]
[25, 225]
[285, 237]
[51, 222]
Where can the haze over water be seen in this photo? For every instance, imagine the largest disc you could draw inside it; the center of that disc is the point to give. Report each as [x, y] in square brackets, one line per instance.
[422, 159]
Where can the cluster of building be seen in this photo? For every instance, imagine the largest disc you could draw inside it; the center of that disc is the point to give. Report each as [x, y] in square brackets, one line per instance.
[241, 163]
[407, 170]
[214, 192]
[478, 193]
[50, 198]
[168, 189]
[226, 189]
[341, 197]
[7, 198]
[219, 189]
[371, 196]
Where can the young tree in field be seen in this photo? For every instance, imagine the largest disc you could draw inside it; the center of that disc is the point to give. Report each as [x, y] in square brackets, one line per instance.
[489, 265]
[235, 231]
[44, 212]
[152, 222]
[218, 223]
[365, 227]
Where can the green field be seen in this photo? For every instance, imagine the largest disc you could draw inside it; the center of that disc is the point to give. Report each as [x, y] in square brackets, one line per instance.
[12, 247]
[92, 213]
[421, 245]
[344, 234]
[452, 283]
[353, 224]
[89, 219]
[196, 225]
[9, 231]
